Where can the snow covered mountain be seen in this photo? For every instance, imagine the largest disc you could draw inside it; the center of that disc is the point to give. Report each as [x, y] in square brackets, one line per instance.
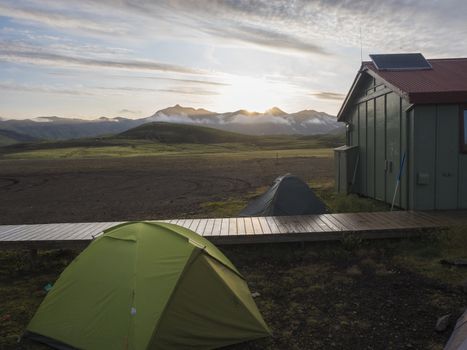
[271, 122]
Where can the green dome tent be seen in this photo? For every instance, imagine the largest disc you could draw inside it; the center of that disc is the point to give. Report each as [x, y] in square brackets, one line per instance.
[148, 286]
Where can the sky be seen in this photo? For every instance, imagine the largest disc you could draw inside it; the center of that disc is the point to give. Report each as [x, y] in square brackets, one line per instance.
[130, 58]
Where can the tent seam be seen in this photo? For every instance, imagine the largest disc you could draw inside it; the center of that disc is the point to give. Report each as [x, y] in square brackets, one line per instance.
[193, 256]
[236, 297]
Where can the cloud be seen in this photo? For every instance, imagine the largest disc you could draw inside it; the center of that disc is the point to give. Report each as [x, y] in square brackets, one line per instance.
[98, 90]
[43, 89]
[34, 55]
[73, 20]
[190, 91]
[129, 112]
[327, 95]
[267, 38]
[260, 119]
[189, 81]
[183, 119]
[176, 90]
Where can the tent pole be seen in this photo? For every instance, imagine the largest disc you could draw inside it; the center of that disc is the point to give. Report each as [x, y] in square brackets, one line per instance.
[355, 171]
[398, 182]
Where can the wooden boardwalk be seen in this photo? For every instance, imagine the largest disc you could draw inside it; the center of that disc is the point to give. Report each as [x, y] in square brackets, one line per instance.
[243, 230]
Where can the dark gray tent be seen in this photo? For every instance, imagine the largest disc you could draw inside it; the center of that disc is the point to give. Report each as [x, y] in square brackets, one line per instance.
[288, 195]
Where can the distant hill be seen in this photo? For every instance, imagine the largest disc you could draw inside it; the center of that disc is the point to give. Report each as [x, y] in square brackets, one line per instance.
[10, 137]
[180, 133]
[56, 128]
[273, 121]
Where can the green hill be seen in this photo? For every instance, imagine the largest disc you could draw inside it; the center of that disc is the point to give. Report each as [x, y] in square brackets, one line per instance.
[182, 133]
[10, 137]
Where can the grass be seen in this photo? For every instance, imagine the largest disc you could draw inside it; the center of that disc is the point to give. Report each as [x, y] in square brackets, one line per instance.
[145, 148]
[335, 202]
[176, 140]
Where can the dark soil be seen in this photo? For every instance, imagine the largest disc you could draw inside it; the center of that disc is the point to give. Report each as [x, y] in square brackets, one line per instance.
[324, 297]
[115, 189]
[317, 296]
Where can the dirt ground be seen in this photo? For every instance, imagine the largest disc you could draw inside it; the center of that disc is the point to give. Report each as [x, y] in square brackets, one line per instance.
[316, 296]
[339, 295]
[326, 296]
[114, 189]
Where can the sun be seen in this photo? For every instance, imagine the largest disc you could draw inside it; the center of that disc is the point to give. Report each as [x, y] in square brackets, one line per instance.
[253, 94]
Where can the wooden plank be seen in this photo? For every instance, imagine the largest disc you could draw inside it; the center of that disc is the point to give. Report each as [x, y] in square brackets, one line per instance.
[256, 226]
[43, 232]
[361, 223]
[187, 223]
[194, 224]
[249, 230]
[201, 227]
[225, 227]
[264, 225]
[17, 230]
[5, 229]
[79, 230]
[280, 224]
[241, 230]
[9, 235]
[296, 224]
[389, 222]
[401, 219]
[272, 225]
[216, 230]
[232, 226]
[350, 221]
[304, 225]
[323, 224]
[337, 222]
[434, 219]
[407, 219]
[209, 227]
[68, 231]
[74, 232]
[86, 231]
[310, 224]
[368, 222]
[328, 222]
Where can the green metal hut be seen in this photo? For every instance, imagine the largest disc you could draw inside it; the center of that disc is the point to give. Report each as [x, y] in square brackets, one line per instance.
[403, 110]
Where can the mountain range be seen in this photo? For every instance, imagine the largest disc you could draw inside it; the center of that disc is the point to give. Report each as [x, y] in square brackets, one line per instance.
[274, 121]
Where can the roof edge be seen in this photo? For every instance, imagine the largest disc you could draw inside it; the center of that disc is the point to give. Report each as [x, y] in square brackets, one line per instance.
[365, 69]
[349, 94]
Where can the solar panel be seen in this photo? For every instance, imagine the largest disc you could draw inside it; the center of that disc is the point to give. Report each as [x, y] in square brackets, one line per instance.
[400, 61]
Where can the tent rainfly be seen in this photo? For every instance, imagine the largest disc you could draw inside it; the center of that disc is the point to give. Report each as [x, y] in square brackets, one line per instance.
[148, 286]
[288, 195]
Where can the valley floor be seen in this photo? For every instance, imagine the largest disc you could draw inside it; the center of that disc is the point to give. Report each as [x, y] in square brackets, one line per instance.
[137, 188]
[344, 295]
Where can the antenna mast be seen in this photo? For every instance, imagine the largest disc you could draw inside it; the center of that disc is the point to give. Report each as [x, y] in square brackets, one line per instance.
[361, 46]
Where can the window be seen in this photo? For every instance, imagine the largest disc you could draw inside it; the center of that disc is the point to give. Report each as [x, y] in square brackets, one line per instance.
[464, 130]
